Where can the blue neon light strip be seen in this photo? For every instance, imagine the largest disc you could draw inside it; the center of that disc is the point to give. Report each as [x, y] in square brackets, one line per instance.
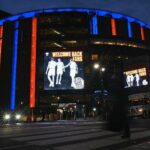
[129, 30]
[94, 25]
[14, 67]
[98, 12]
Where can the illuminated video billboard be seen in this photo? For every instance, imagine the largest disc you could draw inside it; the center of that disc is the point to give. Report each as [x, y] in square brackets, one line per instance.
[135, 78]
[63, 70]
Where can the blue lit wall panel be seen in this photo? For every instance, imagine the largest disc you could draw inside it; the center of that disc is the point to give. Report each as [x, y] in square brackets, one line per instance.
[98, 12]
[94, 25]
[14, 67]
[129, 30]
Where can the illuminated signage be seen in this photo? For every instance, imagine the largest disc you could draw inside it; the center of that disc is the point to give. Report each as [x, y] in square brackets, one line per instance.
[63, 70]
[136, 77]
[76, 56]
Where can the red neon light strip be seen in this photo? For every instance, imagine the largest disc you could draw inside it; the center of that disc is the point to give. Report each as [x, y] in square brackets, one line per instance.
[1, 41]
[33, 63]
[0, 50]
[113, 27]
[142, 34]
[1, 32]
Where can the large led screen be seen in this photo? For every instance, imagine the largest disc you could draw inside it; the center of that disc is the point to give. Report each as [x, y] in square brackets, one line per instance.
[63, 70]
[135, 78]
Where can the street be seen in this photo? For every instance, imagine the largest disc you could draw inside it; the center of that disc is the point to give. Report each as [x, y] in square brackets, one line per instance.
[139, 122]
[72, 135]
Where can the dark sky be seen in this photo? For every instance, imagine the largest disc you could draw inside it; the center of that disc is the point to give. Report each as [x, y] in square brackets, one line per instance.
[136, 8]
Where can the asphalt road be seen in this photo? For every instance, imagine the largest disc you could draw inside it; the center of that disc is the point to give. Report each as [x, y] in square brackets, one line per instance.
[72, 135]
[140, 123]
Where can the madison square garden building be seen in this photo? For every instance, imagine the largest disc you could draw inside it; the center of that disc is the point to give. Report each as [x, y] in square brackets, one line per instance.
[47, 59]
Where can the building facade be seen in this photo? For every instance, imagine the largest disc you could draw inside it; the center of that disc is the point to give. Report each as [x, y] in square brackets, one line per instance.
[74, 39]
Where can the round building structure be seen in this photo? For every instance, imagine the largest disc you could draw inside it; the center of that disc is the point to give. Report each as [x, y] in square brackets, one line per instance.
[47, 58]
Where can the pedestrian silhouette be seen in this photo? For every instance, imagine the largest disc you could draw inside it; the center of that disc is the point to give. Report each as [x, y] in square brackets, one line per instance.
[125, 120]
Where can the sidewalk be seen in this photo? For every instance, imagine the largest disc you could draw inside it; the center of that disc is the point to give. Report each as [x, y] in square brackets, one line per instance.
[80, 121]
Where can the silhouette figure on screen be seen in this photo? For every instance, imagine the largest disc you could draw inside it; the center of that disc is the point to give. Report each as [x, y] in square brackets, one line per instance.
[50, 72]
[129, 80]
[137, 78]
[60, 70]
[73, 71]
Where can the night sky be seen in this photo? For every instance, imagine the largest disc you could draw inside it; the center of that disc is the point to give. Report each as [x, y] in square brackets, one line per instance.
[136, 8]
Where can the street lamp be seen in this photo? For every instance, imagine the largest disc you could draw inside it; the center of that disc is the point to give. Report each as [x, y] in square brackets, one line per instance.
[101, 69]
[96, 66]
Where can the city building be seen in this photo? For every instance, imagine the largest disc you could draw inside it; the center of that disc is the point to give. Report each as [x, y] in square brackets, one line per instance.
[47, 58]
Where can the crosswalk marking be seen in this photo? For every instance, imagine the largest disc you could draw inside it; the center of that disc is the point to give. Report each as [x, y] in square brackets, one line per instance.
[69, 139]
[91, 144]
[10, 130]
[13, 147]
[101, 142]
[49, 130]
[66, 137]
[57, 135]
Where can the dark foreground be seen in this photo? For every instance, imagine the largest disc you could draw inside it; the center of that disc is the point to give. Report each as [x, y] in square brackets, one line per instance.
[72, 135]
